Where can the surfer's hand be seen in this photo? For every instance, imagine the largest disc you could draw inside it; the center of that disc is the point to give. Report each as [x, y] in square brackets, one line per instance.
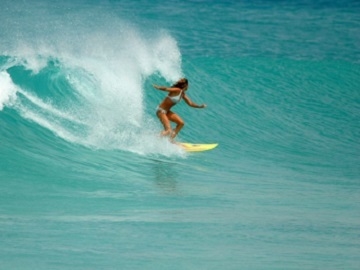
[159, 87]
[203, 106]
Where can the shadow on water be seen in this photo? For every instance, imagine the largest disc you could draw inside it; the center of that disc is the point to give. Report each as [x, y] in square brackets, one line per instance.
[165, 175]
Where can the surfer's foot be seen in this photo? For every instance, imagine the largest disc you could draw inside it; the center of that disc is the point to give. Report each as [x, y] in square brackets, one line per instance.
[172, 138]
[166, 133]
[173, 135]
[174, 142]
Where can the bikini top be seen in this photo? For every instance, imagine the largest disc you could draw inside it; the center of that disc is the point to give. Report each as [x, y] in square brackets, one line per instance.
[175, 99]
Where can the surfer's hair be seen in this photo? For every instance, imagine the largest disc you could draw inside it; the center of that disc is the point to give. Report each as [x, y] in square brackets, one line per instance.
[182, 83]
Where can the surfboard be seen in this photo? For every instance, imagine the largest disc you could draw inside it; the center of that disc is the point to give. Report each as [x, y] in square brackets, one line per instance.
[197, 147]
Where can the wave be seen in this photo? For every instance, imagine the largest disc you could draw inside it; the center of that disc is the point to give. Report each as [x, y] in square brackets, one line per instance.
[84, 78]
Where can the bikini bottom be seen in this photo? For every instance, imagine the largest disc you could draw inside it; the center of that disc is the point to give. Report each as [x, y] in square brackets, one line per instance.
[160, 110]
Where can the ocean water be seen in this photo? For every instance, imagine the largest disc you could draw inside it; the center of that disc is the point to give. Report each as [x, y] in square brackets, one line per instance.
[86, 182]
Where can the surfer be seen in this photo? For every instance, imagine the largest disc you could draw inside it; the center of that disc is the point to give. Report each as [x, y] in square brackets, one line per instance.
[163, 111]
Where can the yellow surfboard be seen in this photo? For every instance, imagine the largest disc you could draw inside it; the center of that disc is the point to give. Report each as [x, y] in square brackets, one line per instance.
[197, 147]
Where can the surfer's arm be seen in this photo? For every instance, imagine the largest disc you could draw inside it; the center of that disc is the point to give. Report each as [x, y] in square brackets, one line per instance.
[167, 89]
[192, 104]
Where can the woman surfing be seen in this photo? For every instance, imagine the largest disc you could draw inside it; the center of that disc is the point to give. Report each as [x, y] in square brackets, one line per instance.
[163, 111]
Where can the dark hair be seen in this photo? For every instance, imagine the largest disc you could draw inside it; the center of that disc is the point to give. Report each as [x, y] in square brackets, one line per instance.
[183, 82]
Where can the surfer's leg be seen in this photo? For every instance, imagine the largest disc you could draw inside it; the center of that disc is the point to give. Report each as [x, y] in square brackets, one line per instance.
[173, 117]
[165, 121]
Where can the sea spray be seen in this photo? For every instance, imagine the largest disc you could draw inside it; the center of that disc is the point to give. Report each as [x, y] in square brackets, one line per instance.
[7, 90]
[99, 101]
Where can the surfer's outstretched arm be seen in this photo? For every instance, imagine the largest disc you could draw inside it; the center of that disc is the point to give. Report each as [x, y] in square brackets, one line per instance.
[167, 89]
[192, 104]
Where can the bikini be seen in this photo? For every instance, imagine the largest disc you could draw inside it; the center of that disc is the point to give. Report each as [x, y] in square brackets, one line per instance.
[174, 99]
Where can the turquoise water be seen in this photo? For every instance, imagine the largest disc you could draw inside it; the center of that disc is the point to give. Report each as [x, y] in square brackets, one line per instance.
[85, 181]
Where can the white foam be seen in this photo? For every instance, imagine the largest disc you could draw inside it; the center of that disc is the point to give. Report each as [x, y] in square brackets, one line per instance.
[50, 125]
[7, 90]
[106, 62]
[48, 107]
